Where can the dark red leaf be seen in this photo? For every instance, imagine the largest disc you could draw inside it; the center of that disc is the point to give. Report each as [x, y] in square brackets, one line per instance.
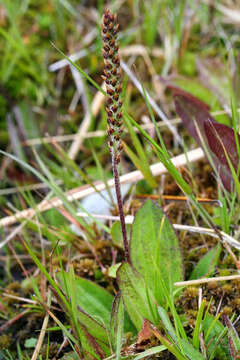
[218, 138]
[221, 137]
[194, 114]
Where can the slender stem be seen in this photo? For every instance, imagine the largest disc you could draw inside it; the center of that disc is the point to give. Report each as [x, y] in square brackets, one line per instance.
[120, 208]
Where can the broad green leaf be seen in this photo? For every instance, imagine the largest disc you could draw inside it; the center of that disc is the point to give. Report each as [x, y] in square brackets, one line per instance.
[94, 302]
[155, 251]
[95, 328]
[93, 299]
[206, 264]
[137, 298]
[91, 331]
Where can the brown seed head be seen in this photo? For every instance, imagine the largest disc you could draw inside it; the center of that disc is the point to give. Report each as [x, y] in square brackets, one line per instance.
[112, 76]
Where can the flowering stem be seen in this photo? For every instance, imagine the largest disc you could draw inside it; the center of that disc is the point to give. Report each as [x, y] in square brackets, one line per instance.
[120, 209]
[112, 78]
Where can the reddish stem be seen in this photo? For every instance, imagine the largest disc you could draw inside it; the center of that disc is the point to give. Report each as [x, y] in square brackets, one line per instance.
[120, 209]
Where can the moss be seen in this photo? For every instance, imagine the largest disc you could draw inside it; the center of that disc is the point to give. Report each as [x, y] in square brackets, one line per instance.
[5, 341]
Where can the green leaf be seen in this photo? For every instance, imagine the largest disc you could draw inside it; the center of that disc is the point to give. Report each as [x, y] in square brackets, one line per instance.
[140, 161]
[90, 297]
[150, 352]
[141, 166]
[93, 334]
[184, 346]
[138, 300]
[233, 339]
[197, 329]
[116, 233]
[117, 320]
[94, 304]
[30, 343]
[112, 271]
[97, 330]
[70, 356]
[167, 323]
[155, 251]
[190, 351]
[206, 264]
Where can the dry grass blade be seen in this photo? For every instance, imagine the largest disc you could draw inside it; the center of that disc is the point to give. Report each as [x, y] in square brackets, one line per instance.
[95, 107]
[127, 51]
[151, 101]
[37, 186]
[206, 280]
[195, 229]
[100, 133]
[42, 332]
[211, 232]
[233, 15]
[81, 192]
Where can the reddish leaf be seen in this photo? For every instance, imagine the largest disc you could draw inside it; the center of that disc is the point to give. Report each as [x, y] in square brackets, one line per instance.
[218, 138]
[193, 112]
[221, 137]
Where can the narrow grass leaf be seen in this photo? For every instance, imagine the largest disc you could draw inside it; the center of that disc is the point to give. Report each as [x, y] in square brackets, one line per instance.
[47, 275]
[167, 323]
[206, 265]
[117, 321]
[185, 347]
[152, 351]
[233, 339]
[140, 161]
[197, 328]
[215, 338]
[167, 162]
[82, 72]
[140, 165]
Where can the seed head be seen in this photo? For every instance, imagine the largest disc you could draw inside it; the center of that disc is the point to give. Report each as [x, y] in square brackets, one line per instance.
[112, 77]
